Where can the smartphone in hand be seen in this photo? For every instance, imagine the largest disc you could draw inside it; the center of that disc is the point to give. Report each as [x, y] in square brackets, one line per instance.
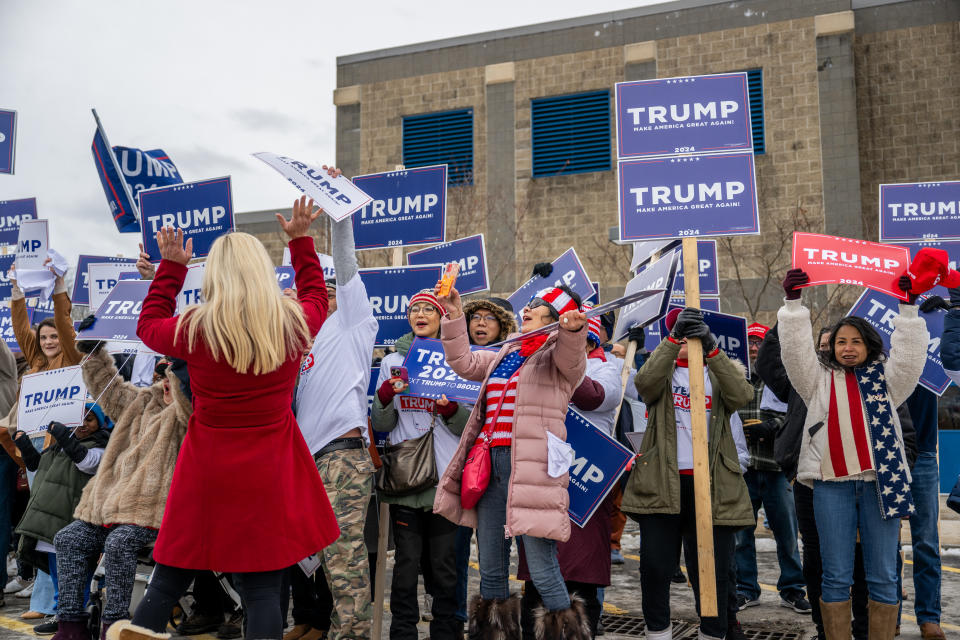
[400, 378]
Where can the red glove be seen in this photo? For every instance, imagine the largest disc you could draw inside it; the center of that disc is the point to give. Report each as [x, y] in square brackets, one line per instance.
[446, 412]
[794, 279]
[386, 392]
[905, 283]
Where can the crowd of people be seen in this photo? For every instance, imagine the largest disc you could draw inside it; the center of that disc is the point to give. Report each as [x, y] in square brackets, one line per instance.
[242, 461]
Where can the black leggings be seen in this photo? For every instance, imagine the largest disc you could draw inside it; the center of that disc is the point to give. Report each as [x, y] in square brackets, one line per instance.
[260, 593]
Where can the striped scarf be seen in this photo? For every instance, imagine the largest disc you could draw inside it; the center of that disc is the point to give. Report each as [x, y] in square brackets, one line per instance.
[861, 437]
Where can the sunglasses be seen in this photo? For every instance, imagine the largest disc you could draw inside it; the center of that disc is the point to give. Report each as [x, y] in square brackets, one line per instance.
[537, 302]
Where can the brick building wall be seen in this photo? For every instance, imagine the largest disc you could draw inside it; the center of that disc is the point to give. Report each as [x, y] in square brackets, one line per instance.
[856, 92]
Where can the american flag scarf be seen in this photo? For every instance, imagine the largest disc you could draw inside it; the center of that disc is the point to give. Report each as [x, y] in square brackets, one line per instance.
[861, 436]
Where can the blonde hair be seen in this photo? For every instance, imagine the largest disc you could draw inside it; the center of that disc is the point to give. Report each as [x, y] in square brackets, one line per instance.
[244, 317]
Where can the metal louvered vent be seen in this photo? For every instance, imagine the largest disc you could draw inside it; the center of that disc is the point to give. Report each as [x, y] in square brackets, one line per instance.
[571, 134]
[755, 87]
[445, 137]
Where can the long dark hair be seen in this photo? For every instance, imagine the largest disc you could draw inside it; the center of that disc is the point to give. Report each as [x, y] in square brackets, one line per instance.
[871, 340]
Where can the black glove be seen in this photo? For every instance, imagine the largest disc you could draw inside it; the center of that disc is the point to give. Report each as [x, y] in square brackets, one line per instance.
[87, 322]
[933, 303]
[905, 284]
[637, 335]
[702, 331]
[70, 445]
[686, 318]
[954, 296]
[543, 269]
[89, 346]
[31, 459]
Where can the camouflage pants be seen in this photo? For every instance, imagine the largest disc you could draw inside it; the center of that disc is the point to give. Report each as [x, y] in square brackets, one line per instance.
[348, 477]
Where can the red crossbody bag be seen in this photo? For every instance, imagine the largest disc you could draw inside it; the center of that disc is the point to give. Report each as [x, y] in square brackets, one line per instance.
[476, 470]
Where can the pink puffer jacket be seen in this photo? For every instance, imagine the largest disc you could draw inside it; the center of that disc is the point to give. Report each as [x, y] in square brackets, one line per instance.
[536, 503]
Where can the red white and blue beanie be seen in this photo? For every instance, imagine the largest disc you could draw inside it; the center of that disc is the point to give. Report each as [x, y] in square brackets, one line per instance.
[426, 295]
[557, 298]
[594, 325]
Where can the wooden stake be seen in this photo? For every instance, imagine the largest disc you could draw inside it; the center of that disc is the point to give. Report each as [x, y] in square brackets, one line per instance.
[625, 375]
[701, 460]
[376, 631]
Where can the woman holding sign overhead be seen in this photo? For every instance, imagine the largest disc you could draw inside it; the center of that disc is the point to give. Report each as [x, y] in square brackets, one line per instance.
[519, 418]
[246, 497]
[851, 450]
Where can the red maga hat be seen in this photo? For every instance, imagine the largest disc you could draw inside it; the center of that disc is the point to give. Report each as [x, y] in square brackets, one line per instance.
[929, 268]
[757, 330]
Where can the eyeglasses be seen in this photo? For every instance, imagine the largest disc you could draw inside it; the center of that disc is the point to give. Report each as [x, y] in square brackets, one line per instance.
[476, 317]
[425, 309]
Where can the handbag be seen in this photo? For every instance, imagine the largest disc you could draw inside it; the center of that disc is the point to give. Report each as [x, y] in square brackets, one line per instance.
[953, 500]
[408, 467]
[476, 469]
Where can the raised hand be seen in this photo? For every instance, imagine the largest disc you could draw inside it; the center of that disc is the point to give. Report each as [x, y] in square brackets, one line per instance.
[794, 279]
[144, 266]
[904, 283]
[573, 320]
[303, 216]
[172, 247]
[451, 303]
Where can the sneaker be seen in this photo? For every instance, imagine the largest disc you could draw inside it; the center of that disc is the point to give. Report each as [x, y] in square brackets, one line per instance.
[616, 557]
[678, 577]
[48, 627]
[198, 623]
[795, 601]
[735, 631]
[427, 609]
[17, 584]
[232, 628]
[743, 602]
[26, 592]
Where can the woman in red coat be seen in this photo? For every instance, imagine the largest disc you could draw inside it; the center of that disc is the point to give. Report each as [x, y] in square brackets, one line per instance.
[246, 497]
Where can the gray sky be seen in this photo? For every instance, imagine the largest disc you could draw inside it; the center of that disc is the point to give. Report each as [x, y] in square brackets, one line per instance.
[210, 82]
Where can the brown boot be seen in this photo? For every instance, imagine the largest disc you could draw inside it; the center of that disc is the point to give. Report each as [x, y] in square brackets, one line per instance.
[297, 632]
[565, 624]
[126, 630]
[836, 619]
[494, 619]
[931, 631]
[883, 620]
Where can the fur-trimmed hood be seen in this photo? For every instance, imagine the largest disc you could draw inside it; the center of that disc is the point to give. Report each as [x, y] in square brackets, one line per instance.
[508, 324]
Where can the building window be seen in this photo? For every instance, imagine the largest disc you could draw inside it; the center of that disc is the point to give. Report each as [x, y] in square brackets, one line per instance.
[441, 138]
[755, 89]
[571, 134]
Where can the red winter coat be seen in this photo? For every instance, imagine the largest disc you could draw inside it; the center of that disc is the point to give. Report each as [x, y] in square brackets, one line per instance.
[246, 494]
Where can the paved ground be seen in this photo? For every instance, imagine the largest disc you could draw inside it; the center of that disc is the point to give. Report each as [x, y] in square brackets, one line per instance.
[623, 597]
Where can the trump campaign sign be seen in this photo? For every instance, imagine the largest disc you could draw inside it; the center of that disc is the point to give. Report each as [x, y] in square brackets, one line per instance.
[103, 277]
[32, 243]
[880, 310]
[389, 290]
[431, 377]
[55, 395]
[567, 269]
[6, 327]
[699, 195]
[203, 209]
[191, 291]
[658, 275]
[123, 207]
[6, 287]
[286, 277]
[729, 330]
[692, 114]
[835, 260]
[598, 462]
[709, 276]
[643, 252]
[81, 282]
[326, 263]
[408, 207]
[8, 140]
[468, 252]
[338, 197]
[12, 213]
[920, 211]
[118, 314]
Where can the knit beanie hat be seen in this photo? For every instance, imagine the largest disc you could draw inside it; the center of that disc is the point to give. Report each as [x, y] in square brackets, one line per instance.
[594, 325]
[560, 300]
[105, 422]
[426, 295]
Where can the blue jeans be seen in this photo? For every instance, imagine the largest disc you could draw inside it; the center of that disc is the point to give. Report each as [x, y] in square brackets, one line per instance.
[771, 489]
[841, 509]
[493, 548]
[925, 539]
